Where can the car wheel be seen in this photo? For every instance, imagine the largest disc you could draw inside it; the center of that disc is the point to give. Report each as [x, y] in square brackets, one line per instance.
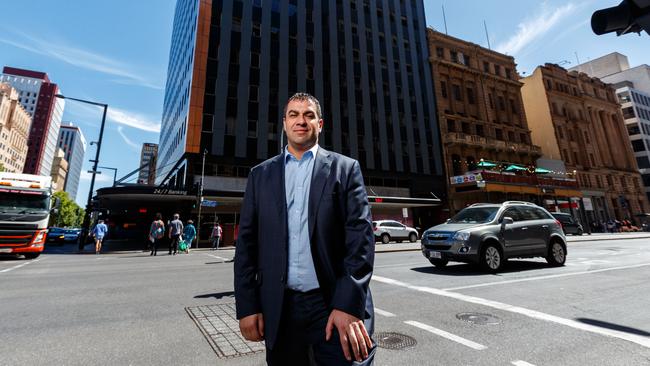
[413, 238]
[556, 254]
[31, 255]
[491, 258]
[439, 263]
[385, 238]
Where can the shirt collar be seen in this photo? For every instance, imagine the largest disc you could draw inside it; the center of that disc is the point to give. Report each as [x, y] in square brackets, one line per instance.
[287, 154]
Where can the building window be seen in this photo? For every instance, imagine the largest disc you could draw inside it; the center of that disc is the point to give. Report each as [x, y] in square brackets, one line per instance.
[440, 52]
[638, 145]
[508, 73]
[457, 94]
[499, 134]
[454, 56]
[480, 131]
[502, 104]
[486, 66]
[470, 95]
[497, 70]
[443, 88]
[451, 125]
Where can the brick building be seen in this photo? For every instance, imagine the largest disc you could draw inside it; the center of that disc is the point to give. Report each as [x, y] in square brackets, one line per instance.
[577, 119]
[484, 128]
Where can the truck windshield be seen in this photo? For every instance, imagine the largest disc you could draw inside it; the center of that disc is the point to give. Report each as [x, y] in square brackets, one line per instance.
[475, 215]
[21, 200]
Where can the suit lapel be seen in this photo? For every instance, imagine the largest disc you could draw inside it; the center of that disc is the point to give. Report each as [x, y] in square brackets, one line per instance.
[277, 180]
[322, 166]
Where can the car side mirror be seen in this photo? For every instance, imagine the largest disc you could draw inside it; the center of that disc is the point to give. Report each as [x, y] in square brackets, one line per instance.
[506, 221]
[447, 221]
[54, 211]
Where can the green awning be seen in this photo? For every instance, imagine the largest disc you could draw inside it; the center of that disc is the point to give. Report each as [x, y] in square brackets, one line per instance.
[542, 171]
[486, 164]
[515, 168]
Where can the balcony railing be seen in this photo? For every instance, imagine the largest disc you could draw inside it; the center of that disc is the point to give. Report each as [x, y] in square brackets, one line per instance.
[532, 180]
[489, 143]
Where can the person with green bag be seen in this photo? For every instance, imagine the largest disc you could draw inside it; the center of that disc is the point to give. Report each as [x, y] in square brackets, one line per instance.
[188, 235]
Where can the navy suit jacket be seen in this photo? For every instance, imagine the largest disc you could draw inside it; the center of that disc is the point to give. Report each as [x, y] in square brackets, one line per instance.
[340, 229]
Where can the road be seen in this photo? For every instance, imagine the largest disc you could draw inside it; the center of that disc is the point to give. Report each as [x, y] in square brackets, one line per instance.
[130, 308]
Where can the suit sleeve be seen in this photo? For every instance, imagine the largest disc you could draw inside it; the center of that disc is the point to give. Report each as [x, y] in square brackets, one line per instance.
[352, 288]
[246, 289]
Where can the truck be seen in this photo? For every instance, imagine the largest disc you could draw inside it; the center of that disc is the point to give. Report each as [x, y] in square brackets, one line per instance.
[25, 207]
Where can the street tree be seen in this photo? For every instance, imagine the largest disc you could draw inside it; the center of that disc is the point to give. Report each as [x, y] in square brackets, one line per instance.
[69, 213]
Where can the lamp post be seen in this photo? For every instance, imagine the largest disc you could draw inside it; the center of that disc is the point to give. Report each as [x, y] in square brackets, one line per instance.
[114, 172]
[86, 222]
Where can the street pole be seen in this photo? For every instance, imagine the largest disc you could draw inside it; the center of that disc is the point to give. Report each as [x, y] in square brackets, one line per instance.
[86, 223]
[114, 172]
[198, 232]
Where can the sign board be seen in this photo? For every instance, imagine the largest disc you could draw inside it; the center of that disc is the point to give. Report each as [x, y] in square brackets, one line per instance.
[405, 212]
[208, 203]
[467, 178]
[588, 205]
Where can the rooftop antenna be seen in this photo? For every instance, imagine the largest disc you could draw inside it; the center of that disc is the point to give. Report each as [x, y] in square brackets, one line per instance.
[578, 61]
[487, 36]
[444, 18]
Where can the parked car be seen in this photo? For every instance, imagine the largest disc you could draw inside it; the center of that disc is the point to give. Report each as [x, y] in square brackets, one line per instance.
[56, 235]
[489, 234]
[569, 224]
[387, 230]
[71, 235]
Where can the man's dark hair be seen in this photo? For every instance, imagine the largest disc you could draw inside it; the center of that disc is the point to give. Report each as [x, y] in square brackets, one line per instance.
[158, 216]
[303, 97]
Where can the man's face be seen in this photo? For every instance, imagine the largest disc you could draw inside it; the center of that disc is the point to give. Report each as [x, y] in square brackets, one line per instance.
[301, 123]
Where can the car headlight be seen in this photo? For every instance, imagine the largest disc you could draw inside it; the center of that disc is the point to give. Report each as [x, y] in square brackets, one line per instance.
[461, 236]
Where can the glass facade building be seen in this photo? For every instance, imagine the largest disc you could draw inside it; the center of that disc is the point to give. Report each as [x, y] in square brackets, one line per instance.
[234, 64]
[73, 144]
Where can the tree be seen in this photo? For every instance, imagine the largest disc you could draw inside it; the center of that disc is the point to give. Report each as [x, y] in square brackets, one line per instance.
[2, 168]
[69, 213]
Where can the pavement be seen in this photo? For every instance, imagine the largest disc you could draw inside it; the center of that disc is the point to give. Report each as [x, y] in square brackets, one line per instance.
[128, 308]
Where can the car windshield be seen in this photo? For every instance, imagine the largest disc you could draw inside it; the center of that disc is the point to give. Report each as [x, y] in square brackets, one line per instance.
[475, 215]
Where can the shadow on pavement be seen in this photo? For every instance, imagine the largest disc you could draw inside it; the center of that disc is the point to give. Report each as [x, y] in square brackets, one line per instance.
[473, 269]
[217, 295]
[620, 328]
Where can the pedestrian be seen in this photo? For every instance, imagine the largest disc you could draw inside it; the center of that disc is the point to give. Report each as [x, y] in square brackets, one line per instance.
[305, 251]
[188, 235]
[215, 236]
[175, 232]
[156, 233]
[98, 232]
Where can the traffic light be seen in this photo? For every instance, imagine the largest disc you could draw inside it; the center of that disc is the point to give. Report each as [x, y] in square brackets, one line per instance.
[627, 17]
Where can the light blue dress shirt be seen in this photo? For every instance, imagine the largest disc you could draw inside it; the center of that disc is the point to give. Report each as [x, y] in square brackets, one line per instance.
[301, 274]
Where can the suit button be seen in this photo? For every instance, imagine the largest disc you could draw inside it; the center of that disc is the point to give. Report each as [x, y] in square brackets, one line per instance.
[282, 278]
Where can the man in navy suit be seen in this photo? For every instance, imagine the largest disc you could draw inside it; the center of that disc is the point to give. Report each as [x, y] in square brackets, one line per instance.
[305, 251]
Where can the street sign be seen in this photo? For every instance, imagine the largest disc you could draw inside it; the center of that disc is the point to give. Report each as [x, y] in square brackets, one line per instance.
[208, 203]
[97, 172]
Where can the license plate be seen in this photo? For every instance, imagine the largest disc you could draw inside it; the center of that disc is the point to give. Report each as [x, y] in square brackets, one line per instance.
[436, 255]
[6, 250]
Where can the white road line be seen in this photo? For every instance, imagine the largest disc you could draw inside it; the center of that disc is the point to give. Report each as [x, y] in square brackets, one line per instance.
[216, 256]
[521, 363]
[18, 266]
[537, 278]
[384, 312]
[643, 341]
[442, 333]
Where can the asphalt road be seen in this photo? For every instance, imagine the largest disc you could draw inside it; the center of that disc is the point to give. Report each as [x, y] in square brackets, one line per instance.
[131, 309]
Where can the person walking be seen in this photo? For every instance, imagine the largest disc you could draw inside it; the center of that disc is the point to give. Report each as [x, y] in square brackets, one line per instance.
[305, 251]
[156, 233]
[215, 236]
[175, 232]
[98, 232]
[188, 235]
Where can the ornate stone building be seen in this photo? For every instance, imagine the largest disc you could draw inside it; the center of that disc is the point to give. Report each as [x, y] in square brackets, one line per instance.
[481, 114]
[577, 118]
[14, 130]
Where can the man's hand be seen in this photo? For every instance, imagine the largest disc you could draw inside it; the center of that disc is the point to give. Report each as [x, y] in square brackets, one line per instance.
[252, 327]
[352, 333]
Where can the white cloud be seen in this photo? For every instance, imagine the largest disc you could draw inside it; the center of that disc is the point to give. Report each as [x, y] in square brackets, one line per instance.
[80, 58]
[132, 119]
[535, 27]
[120, 130]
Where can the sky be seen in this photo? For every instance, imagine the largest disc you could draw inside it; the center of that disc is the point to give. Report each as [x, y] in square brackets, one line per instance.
[116, 52]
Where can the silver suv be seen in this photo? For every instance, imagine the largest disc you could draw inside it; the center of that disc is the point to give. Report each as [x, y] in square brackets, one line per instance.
[387, 230]
[489, 234]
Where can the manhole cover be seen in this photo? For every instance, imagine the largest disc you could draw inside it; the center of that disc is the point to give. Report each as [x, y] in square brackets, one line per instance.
[390, 340]
[220, 326]
[479, 318]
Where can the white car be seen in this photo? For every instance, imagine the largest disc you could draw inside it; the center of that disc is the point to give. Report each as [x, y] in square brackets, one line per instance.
[387, 230]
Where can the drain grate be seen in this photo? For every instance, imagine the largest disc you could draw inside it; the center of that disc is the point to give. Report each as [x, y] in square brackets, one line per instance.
[391, 340]
[220, 326]
[479, 318]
